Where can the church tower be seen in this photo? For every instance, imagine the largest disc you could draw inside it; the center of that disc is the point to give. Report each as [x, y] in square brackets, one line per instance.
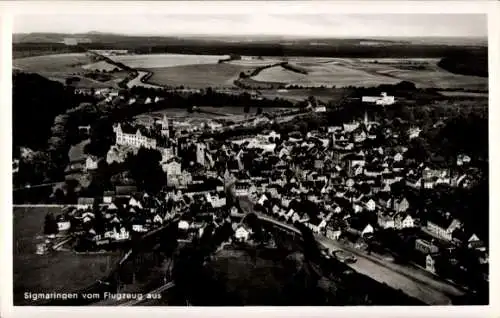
[164, 127]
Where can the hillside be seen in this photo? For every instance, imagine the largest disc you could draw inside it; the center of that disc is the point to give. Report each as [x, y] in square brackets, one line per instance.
[36, 101]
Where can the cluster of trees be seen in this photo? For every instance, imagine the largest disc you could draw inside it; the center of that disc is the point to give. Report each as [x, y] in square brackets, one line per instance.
[50, 225]
[332, 49]
[146, 170]
[40, 123]
[36, 102]
[467, 62]
[193, 280]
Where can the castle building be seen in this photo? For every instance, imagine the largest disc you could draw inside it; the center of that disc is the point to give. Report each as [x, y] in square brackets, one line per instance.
[134, 137]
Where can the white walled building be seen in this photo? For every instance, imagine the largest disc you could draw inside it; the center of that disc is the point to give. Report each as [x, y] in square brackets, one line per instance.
[383, 99]
[129, 138]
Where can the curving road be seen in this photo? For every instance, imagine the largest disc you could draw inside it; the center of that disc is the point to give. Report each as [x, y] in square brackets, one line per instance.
[414, 282]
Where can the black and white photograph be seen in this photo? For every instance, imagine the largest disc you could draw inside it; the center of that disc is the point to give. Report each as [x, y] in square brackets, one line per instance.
[250, 159]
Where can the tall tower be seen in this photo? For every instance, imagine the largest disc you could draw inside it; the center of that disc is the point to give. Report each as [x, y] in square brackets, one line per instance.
[164, 127]
[200, 153]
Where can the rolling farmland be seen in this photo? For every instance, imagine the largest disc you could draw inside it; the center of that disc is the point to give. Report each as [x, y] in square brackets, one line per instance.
[357, 72]
[327, 75]
[53, 64]
[198, 75]
[149, 61]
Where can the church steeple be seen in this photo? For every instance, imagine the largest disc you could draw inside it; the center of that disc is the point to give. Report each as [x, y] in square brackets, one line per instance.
[164, 126]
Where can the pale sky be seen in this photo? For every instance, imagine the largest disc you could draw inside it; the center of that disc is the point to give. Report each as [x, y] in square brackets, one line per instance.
[320, 25]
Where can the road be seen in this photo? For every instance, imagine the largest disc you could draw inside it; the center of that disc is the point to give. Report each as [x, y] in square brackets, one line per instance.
[414, 282]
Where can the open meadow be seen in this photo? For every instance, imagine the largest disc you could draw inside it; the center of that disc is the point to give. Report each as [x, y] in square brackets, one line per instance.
[148, 61]
[369, 72]
[198, 75]
[59, 67]
[53, 64]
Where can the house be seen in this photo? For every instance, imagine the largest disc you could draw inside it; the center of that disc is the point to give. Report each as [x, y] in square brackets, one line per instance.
[463, 160]
[108, 197]
[316, 225]
[438, 228]
[403, 221]
[139, 228]
[414, 132]
[333, 232]
[370, 205]
[357, 207]
[122, 235]
[320, 109]
[133, 202]
[63, 225]
[171, 167]
[85, 203]
[295, 217]
[400, 205]
[383, 99]
[262, 199]
[242, 188]
[242, 234]
[289, 214]
[157, 219]
[474, 242]
[91, 163]
[234, 211]
[430, 264]
[183, 225]
[367, 230]
[385, 221]
[426, 247]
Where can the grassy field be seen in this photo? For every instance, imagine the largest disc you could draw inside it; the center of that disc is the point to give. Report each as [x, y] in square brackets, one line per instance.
[59, 272]
[53, 64]
[369, 72]
[166, 60]
[58, 67]
[100, 66]
[327, 74]
[322, 94]
[255, 62]
[251, 281]
[198, 75]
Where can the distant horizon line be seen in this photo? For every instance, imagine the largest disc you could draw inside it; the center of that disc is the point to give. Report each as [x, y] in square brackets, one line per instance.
[254, 35]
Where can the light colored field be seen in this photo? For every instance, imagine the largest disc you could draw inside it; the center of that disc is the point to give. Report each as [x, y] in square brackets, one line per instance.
[439, 78]
[198, 76]
[57, 63]
[101, 65]
[58, 67]
[362, 72]
[254, 62]
[324, 95]
[166, 60]
[327, 74]
[466, 94]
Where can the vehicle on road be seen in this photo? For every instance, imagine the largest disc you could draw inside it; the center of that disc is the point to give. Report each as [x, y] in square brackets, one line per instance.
[345, 257]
